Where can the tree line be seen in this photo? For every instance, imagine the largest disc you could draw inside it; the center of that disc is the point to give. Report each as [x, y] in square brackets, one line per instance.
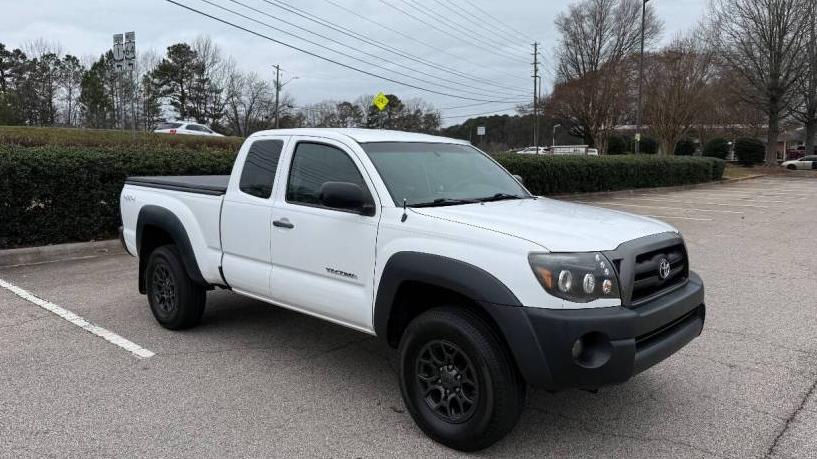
[748, 68]
[41, 86]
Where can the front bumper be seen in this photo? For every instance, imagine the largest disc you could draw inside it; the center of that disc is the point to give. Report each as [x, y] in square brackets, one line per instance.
[618, 342]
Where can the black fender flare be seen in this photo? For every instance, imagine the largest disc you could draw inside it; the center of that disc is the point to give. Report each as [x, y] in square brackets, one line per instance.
[168, 222]
[473, 282]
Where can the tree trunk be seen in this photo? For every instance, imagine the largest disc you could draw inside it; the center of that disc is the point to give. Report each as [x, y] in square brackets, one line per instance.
[811, 130]
[773, 133]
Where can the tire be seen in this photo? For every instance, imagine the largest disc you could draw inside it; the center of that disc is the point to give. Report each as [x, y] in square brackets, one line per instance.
[175, 300]
[474, 364]
[791, 167]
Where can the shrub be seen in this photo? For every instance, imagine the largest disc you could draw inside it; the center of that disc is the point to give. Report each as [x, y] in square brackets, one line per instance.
[576, 174]
[57, 194]
[717, 148]
[750, 151]
[41, 136]
[619, 145]
[649, 146]
[685, 147]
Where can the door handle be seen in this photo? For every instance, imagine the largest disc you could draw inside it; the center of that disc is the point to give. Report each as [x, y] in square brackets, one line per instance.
[283, 223]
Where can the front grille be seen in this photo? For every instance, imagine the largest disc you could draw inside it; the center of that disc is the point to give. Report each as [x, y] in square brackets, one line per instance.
[647, 279]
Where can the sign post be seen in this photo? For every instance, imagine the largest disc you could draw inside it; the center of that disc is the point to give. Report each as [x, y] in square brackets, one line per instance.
[124, 60]
[481, 134]
[380, 102]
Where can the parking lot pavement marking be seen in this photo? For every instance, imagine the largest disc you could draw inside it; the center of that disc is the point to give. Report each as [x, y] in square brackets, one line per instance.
[663, 207]
[107, 335]
[638, 198]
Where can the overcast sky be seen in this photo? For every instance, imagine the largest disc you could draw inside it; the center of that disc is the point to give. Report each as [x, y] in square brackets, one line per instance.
[496, 58]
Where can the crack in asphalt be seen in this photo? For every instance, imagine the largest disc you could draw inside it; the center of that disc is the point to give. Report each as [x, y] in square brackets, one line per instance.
[771, 451]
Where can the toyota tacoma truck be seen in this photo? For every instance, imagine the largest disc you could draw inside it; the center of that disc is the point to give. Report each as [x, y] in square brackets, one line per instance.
[432, 246]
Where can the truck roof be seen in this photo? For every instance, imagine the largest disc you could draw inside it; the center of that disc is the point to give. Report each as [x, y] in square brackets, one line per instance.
[362, 135]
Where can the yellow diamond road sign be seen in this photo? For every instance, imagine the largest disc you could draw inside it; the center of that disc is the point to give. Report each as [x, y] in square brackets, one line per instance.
[380, 101]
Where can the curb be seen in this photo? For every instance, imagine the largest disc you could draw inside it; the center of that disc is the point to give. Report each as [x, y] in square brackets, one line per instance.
[59, 252]
[653, 190]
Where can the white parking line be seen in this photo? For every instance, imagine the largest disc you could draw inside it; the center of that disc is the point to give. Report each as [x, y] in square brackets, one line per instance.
[691, 202]
[107, 335]
[665, 208]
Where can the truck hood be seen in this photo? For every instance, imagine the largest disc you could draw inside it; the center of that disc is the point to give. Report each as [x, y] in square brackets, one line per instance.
[557, 226]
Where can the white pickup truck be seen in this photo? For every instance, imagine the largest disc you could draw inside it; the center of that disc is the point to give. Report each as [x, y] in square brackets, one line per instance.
[429, 244]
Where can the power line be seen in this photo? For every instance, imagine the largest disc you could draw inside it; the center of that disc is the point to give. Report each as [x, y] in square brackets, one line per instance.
[433, 83]
[415, 40]
[324, 58]
[364, 39]
[478, 114]
[476, 104]
[481, 24]
[445, 32]
[450, 24]
[479, 92]
[496, 20]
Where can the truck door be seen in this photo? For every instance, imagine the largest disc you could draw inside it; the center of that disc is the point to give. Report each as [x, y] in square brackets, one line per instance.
[323, 258]
[246, 217]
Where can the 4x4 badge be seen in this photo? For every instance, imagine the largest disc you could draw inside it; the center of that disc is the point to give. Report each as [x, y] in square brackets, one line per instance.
[663, 268]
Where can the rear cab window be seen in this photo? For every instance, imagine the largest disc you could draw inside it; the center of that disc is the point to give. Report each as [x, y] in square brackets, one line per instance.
[260, 166]
[163, 126]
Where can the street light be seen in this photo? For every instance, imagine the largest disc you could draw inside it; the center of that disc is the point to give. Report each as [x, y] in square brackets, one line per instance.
[553, 143]
[640, 79]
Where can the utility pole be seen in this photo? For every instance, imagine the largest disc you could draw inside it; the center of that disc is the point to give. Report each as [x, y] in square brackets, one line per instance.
[277, 91]
[640, 79]
[536, 96]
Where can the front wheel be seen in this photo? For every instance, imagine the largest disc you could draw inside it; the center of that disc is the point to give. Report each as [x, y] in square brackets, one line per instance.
[458, 380]
[177, 302]
[791, 167]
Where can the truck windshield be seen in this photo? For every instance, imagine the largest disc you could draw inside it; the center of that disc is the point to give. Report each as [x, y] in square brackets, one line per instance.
[428, 174]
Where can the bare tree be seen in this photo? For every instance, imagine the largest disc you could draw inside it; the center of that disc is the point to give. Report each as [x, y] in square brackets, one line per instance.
[763, 42]
[805, 105]
[679, 78]
[213, 77]
[597, 39]
[248, 98]
[594, 104]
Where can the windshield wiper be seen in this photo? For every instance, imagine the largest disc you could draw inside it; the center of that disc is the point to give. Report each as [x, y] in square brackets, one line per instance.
[501, 197]
[445, 202]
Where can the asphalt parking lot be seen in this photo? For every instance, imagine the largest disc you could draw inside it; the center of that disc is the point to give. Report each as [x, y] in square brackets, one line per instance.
[256, 380]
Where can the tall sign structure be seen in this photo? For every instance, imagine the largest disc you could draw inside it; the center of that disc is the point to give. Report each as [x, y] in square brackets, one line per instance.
[124, 59]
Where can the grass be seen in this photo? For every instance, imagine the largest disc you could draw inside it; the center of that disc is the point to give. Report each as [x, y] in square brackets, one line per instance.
[736, 171]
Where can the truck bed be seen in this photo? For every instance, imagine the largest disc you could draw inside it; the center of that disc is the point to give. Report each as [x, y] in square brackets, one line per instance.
[214, 185]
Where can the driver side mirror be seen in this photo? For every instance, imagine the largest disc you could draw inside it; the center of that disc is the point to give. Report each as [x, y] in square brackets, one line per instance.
[519, 179]
[345, 196]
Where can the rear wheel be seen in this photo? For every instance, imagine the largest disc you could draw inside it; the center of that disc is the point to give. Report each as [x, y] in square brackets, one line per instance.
[458, 380]
[177, 302]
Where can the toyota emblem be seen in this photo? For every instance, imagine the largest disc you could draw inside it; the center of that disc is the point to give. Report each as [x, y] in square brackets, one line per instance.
[663, 268]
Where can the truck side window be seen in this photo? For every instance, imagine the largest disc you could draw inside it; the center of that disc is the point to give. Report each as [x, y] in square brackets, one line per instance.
[315, 164]
[259, 169]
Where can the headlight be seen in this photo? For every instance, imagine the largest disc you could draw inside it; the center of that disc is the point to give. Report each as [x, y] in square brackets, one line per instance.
[576, 277]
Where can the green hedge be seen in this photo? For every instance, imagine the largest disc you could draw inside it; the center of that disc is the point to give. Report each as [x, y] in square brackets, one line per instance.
[750, 151]
[55, 194]
[42, 136]
[546, 175]
[717, 148]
